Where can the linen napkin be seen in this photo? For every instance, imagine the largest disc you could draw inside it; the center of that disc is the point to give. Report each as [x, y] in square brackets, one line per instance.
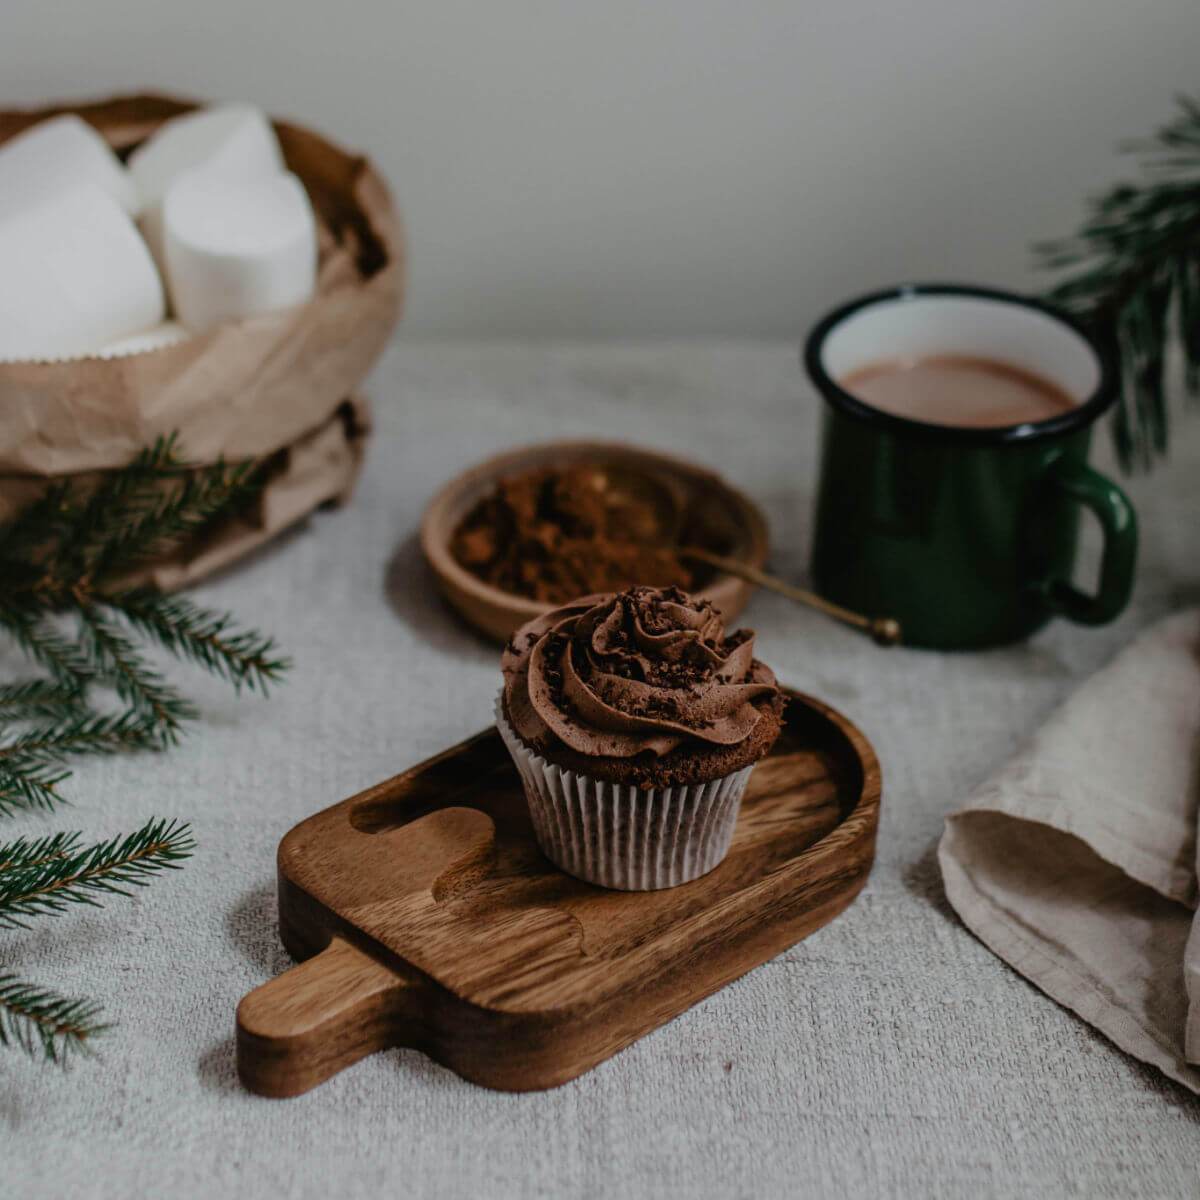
[1076, 862]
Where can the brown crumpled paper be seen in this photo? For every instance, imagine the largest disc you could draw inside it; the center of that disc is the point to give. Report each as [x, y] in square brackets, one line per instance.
[275, 386]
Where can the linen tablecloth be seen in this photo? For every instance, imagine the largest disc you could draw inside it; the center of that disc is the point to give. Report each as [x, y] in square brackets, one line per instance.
[891, 1054]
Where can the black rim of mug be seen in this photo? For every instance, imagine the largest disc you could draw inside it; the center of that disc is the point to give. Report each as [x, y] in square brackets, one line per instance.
[1078, 418]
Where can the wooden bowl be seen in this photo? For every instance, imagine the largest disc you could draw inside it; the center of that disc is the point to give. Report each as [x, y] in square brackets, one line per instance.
[743, 527]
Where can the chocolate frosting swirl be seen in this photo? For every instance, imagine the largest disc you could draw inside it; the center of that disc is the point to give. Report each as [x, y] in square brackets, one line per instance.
[642, 670]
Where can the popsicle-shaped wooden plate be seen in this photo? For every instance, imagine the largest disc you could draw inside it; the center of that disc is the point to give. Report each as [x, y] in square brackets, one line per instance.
[427, 917]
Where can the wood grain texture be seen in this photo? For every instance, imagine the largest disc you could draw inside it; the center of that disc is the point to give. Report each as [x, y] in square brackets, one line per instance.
[435, 921]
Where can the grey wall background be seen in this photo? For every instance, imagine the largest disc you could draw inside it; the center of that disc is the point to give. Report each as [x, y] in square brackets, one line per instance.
[625, 168]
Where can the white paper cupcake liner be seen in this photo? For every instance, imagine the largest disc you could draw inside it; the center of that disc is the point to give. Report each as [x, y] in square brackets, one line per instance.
[621, 836]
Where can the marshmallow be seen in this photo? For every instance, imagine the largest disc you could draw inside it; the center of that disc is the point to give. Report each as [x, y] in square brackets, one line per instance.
[169, 333]
[74, 275]
[59, 154]
[234, 141]
[237, 249]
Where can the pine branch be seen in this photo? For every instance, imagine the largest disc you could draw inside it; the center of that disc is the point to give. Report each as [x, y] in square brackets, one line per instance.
[113, 656]
[107, 509]
[32, 698]
[144, 511]
[24, 786]
[61, 555]
[51, 512]
[45, 876]
[84, 876]
[25, 853]
[205, 637]
[42, 643]
[42, 1022]
[29, 758]
[82, 732]
[1135, 279]
[172, 517]
[65, 555]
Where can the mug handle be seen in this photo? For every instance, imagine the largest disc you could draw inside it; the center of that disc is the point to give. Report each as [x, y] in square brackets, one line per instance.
[1080, 484]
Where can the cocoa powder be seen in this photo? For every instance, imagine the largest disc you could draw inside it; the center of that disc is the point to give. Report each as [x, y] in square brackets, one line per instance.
[554, 534]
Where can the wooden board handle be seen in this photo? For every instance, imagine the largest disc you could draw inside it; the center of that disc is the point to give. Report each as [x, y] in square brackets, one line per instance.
[317, 1018]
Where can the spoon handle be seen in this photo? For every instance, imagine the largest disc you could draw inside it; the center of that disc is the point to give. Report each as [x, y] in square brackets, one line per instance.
[884, 631]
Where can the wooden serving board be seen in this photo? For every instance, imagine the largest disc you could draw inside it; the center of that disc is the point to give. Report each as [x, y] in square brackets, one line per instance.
[428, 917]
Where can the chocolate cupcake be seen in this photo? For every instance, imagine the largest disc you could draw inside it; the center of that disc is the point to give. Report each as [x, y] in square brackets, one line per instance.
[635, 723]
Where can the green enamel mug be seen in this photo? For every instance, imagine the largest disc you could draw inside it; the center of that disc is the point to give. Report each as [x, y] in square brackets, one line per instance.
[965, 535]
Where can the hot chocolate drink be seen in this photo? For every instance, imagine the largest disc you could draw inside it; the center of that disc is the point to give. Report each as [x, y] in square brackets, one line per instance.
[958, 390]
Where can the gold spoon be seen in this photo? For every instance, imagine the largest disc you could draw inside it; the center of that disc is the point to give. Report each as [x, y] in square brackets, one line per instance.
[627, 487]
[884, 631]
